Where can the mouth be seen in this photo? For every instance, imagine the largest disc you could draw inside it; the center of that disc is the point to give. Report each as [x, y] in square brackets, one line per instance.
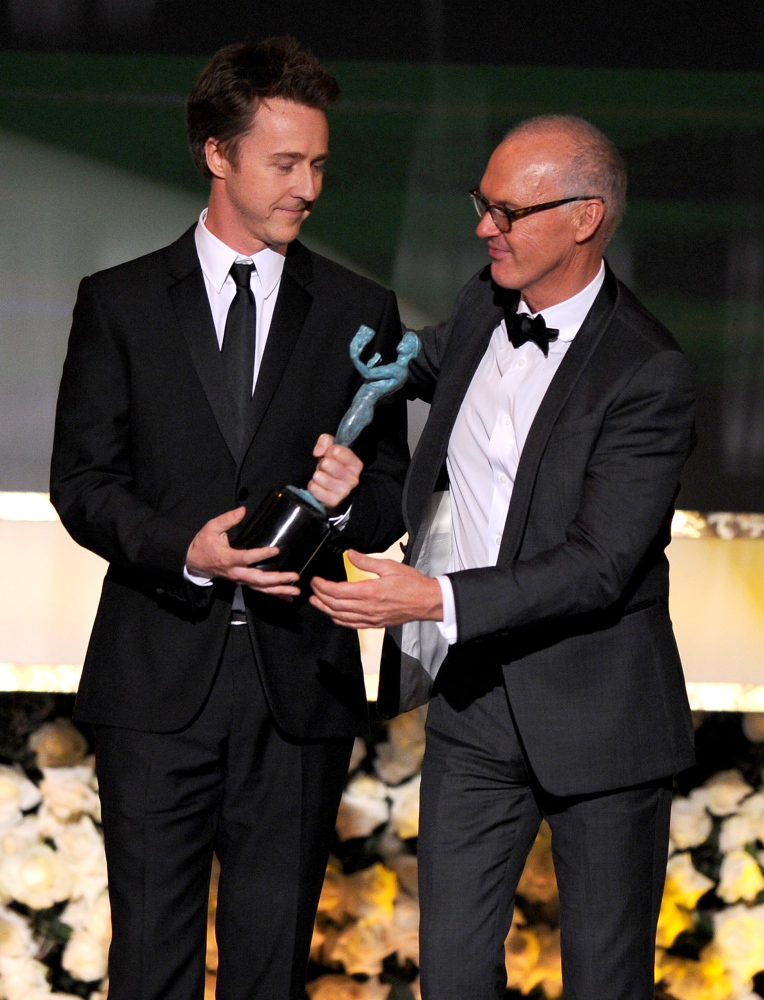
[498, 252]
[298, 212]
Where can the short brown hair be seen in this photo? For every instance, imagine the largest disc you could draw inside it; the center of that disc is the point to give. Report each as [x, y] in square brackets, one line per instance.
[237, 78]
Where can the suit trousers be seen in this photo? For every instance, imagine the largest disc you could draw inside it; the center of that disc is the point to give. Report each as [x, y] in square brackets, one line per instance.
[480, 811]
[230, 782]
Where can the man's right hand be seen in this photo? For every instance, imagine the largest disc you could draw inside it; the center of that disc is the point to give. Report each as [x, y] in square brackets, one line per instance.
[210, 554]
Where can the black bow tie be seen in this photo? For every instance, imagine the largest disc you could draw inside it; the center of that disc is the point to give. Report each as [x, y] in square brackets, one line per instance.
[521, 328]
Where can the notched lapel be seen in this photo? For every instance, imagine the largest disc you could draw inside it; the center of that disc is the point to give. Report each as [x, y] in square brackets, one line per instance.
[292, 308]
[560, 388]
[192, 309]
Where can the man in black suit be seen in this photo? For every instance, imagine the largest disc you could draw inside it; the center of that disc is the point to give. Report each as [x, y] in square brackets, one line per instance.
[543, 486]
[223, 705]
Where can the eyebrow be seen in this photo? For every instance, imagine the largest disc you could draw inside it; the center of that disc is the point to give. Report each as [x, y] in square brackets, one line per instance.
[297, 156]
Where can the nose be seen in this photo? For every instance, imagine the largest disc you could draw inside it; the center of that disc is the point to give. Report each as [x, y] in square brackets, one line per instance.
[308, 183]
[487, 228]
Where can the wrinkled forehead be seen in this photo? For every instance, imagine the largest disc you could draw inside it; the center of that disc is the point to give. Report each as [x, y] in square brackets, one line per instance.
[527, 169]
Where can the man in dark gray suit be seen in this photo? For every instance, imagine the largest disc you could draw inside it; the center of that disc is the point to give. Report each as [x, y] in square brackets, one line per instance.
[543, 485]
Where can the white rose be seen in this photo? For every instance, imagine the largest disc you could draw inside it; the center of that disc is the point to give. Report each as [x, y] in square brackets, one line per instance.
[345, 988]
[739, 940]
[15, 935]
[685, 884]
[394, 764]
[68, 792]
[81, 846]
[725, 791]
[85, 956]
[690, 822]
[404, 933]
[363, 807]
[362, 947]
[753, 807]
[370, 894]
[740, 878]
[22, 978]
[405, 810]
[736, 832]
[24, 834]
[99, 920]
[36, 877]
[17, 794]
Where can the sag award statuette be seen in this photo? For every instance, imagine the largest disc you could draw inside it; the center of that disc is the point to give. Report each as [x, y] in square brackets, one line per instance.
[292, 518]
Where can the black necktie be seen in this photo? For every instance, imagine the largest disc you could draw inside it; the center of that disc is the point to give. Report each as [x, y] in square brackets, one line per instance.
[238, 350]
[521, 328]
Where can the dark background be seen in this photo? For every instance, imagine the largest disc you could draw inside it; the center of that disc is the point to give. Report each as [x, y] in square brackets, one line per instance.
[428, 90]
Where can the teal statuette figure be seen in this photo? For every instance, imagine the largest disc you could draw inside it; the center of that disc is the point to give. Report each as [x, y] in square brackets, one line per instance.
[292, 519]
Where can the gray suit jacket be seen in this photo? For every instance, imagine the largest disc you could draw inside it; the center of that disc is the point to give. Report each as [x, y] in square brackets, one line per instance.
[576, 609]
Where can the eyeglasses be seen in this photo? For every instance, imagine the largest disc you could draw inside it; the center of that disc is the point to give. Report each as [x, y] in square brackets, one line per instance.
[504, 217]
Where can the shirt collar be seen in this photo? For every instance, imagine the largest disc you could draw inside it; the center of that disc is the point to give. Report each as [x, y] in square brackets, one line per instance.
[568, 316]
[216, 259]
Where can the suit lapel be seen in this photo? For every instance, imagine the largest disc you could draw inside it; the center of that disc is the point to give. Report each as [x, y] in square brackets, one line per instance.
[570, 370]
[192, 310]
[467, 345]
[292, 308]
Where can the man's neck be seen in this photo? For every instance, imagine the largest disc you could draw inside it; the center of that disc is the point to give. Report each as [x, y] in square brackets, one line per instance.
[559, 287]
[224, 223]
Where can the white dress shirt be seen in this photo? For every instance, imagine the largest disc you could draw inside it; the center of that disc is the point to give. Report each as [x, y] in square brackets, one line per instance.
[490, 432]
[216, 259]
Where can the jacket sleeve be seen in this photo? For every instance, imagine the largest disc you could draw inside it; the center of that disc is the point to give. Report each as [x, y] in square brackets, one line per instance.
[376, 519]
[630, 485]
[91, 482]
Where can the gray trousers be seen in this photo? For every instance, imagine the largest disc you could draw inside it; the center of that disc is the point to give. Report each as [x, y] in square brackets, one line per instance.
[480, 811]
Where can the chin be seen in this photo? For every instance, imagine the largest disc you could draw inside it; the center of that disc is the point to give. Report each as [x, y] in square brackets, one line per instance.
[504, 274]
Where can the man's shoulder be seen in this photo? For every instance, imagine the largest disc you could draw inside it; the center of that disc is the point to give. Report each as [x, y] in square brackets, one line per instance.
[177, 257]
[330, 275]
[636, 321]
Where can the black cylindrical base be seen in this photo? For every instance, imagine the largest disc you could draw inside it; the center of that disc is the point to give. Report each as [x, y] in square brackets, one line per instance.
[287, 521]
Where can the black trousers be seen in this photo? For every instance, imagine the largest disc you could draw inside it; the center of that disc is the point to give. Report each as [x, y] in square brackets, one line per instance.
[231, 783]
[480, 812]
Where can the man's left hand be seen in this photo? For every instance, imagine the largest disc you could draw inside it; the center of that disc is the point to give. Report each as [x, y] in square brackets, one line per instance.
[337, 474]
[400, 594]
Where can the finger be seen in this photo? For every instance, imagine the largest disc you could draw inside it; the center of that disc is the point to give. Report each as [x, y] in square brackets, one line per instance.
[339, 590]
[249, 557]
[343, 456]
[370, 564]
[270, 578]
[325, 441]
[290, 592]
[229, 519]
[346, 621]
[329, 468]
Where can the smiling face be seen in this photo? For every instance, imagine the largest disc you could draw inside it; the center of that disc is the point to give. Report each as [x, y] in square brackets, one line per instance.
[547, 254]
[262, 198]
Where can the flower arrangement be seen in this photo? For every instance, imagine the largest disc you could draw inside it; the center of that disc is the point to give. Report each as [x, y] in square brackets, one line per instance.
[710, 940]
[54, 908]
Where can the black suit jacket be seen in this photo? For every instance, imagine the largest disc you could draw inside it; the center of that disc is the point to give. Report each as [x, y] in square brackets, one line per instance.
[576, 609]
[146, 452]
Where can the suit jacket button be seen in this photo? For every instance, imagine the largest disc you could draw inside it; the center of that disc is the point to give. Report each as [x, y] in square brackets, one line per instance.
[242, 494]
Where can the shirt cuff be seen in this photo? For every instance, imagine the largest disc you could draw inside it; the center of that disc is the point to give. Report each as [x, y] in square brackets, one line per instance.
[201, 580]
[339, 522]
[447, 627]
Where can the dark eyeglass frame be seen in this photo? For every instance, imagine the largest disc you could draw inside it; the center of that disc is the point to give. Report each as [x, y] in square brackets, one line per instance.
[504, 217]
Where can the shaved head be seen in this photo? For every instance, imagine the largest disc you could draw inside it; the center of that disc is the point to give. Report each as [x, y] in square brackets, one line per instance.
[589, 162]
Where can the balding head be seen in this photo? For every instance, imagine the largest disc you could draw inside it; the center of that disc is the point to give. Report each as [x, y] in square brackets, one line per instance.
[589, 163]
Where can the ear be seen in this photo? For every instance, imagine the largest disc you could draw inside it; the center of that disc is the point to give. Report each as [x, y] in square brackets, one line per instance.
[590, 219]
[217, 162]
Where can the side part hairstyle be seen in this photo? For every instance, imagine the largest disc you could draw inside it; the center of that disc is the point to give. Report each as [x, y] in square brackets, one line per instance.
[226, 96]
